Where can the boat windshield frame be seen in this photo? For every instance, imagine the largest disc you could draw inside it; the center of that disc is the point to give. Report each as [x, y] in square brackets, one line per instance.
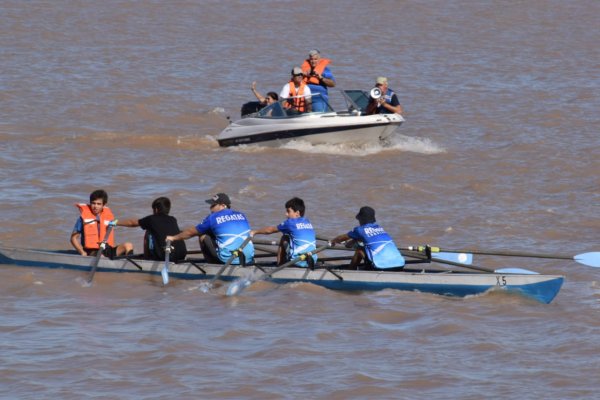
[347, 102]
[282, 109]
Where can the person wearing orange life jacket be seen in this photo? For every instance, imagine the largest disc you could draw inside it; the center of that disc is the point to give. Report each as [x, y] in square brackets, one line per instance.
[91, 226]
[318, 76]
[297, 92]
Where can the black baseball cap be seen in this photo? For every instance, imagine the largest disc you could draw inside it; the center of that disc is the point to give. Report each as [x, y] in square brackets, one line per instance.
[366, 215]
[219, 198]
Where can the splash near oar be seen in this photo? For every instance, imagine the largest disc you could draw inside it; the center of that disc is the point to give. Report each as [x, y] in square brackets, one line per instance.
[234, 254]
[239, 285]
[165, 270]
[101, 248]
[591, 259]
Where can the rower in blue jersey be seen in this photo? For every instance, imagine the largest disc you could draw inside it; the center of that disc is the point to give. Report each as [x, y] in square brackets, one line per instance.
[221, 232]
[376, 247]
[298, 235]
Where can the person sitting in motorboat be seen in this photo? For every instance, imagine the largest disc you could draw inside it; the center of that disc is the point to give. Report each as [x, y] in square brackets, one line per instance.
[267, 100]
[386, 101]
[318, 77]
[298, 235]
[298, 93]
[254, 106]
[221, 233]
[372, 244]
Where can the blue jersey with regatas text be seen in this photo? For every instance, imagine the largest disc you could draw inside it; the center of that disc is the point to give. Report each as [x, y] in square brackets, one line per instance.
[379, 246]
[229, 228]
[302, 238]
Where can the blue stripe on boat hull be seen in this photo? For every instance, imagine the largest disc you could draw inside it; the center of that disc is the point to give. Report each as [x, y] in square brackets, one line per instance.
[543, 292]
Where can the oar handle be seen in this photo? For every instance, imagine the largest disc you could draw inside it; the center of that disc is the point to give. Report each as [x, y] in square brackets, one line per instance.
[591, 259]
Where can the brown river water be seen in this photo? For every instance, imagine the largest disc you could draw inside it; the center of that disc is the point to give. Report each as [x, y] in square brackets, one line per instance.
[499, 151]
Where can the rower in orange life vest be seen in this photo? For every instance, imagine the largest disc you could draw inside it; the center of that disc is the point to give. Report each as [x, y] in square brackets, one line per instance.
[318, 76]
[297, 92]
[90, 229]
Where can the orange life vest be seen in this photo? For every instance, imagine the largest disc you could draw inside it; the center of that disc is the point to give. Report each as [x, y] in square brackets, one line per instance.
[298, 103]
[319, 69]
[92, 234]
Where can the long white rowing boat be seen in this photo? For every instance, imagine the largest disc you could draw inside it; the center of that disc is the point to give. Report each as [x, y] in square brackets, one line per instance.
[443, 282]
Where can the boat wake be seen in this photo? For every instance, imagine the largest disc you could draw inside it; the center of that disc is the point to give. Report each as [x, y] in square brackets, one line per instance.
[395, 143]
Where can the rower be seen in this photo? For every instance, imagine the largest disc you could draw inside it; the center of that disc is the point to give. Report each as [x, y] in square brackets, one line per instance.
[372, 244]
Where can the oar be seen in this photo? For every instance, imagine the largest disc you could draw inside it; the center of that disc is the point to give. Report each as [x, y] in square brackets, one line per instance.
[591, 259]
[165, 270]
[455, 256]
[461, 257]
[234, 255]
[101, 248]
[475, 267]
[241, 284]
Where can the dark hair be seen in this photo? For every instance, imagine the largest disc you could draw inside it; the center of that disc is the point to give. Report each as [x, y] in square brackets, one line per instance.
[296, 204]
[99, 194]
[273, 95]
[162, 205]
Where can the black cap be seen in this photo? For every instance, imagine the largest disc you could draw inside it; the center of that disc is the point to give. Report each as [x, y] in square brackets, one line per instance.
[219, 198]
[366, 215]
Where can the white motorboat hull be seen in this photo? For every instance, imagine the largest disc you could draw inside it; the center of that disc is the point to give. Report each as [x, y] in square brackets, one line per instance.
[330, 128]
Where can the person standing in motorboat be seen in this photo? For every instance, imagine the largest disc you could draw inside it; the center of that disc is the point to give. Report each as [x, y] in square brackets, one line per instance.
[298, 92]
[387, 102]
[91, 227]
[373, 244]
[158, 226]
[221, 233]
[298, 235]
[318, 77]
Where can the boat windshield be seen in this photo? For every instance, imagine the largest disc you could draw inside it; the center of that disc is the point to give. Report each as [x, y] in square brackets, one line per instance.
[344, 101]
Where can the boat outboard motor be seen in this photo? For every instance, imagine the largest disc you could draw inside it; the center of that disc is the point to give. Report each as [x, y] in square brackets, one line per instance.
[251, 107]
[375, 93]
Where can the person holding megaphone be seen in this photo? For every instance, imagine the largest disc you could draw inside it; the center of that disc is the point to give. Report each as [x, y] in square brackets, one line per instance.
[383, 100]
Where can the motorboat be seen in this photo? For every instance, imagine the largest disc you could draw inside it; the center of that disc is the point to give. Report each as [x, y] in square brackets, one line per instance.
[279, 123]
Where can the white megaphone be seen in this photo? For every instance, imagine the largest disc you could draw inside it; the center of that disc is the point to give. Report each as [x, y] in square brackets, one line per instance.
[375, 93]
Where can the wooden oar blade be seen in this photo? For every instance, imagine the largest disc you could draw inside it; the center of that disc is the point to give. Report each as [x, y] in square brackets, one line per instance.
[591, 259]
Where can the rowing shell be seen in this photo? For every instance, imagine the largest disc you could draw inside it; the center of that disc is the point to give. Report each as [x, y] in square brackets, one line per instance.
[443, 282]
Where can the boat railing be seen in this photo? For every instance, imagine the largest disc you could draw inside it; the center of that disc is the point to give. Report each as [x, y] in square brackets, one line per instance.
[283, 108]
[339, 102]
